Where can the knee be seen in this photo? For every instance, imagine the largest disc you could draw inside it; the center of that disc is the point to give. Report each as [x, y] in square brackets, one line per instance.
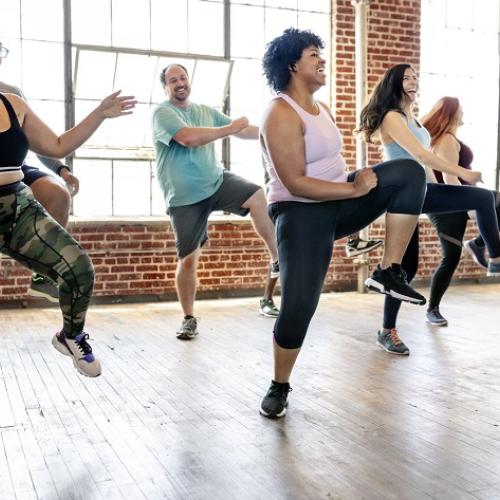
[80, 276]
[257, 202]
[412, 172]
[188, 263]
[51, 194]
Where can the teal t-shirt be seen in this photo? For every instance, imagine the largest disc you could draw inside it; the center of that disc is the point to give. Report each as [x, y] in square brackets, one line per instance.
[186, 175]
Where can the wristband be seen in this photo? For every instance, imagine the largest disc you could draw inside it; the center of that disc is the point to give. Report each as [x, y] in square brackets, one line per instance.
[60, 168]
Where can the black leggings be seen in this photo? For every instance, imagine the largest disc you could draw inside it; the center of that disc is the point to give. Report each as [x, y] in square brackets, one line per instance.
[449, 198]
[450, 229]
[306, 232]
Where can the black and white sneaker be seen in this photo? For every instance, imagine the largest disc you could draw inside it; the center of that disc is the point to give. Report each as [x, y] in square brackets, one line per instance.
[275, 401]
[392, 281]
[358, 246]
[274, 269]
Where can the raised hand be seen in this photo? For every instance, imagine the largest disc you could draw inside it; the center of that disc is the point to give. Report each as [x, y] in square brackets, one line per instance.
[116, 105]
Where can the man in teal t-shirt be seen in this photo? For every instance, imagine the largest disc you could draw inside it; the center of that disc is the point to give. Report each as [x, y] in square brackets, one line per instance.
[195, 184]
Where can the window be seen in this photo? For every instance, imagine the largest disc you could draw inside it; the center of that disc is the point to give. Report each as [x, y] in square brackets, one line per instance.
[460, 58]
[119, 45]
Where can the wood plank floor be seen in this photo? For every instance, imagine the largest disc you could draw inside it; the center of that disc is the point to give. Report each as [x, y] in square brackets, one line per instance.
[179, 420]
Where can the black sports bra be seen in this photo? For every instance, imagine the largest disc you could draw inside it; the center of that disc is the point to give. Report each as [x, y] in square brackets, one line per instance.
[13, 142]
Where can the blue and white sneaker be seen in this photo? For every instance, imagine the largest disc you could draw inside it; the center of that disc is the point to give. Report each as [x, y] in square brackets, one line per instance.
[493, 269]
[81, 352]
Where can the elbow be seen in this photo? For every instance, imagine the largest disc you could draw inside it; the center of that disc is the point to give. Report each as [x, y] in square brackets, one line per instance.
[186, 140]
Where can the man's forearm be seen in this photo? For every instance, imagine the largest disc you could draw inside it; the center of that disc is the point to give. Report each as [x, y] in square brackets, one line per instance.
[191, 137]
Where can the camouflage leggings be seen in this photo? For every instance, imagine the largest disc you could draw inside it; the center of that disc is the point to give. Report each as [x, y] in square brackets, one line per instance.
[30, 236]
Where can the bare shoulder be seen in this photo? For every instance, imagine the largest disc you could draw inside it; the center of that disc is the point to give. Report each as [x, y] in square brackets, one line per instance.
[279, 111]
[394, 117]
[448, 141]
[17, 103]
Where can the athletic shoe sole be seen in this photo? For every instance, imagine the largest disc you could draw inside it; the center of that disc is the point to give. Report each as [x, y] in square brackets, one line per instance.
[435, 323]
[382, 346]
[489, 273]
[282, 413]
[186, 336]
[64, 350]
[267, 315]
[36, 293]
[355, 253]
[371, 284]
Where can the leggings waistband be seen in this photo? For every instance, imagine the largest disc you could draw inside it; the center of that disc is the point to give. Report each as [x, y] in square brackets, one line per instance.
[15, 187]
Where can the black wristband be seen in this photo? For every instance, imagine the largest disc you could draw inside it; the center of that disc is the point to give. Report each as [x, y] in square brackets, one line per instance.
[60, 168]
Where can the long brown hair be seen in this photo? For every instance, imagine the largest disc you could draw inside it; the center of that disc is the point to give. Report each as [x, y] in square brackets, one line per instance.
[441, 118]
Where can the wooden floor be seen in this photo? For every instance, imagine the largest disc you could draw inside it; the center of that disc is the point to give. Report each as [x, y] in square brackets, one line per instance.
[179, 420]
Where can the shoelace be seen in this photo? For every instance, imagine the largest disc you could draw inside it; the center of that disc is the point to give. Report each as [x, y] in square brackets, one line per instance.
[394, 336]
[400, 273]
[83, 345]
[280, 390]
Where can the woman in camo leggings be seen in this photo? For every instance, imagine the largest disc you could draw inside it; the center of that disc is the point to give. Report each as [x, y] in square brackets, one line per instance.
[30, 236]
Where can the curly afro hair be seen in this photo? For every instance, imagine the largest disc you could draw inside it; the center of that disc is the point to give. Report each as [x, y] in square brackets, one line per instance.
[283, 52]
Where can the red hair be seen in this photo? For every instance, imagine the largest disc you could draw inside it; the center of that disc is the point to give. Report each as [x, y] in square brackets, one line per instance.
[441, 118]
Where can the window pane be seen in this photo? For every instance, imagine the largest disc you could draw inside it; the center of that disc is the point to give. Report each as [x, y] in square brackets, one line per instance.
[278, 20]
[42, 20]
[90, 64]
[247, 23]
[287, 4]
[95, 13]
[209, 82]
[51, 113]
[130, 24]
[316, 5]
[131, 188]
[37, 81]
[168, 32]
[10, 20]
[247, 85]
[94, 197]
[205, 28]
[128, 67]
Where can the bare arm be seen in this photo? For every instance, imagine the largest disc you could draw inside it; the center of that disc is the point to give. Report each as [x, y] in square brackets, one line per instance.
[283, 136]
[394, 127]
[250, 132]
[45, 142]
[448, 149]
[191, 137]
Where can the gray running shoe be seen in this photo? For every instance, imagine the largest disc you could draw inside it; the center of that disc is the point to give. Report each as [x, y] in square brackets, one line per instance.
[41, 286]
[391, 342]
[477, 253]
[268, 308]
[188, 329]
[434, 317]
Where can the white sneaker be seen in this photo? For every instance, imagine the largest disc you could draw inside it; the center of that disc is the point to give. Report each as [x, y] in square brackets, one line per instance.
[358, 246]
[81, 352]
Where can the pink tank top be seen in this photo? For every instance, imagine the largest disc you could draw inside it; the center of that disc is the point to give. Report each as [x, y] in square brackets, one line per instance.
[323, 145]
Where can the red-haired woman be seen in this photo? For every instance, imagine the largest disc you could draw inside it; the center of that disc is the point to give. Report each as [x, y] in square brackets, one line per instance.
[442, 122]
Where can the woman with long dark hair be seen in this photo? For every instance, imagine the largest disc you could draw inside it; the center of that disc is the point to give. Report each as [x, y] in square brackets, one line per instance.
[389, 116]
[442, 122]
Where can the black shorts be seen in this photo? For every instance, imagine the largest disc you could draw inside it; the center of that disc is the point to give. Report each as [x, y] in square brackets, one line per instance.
[31, 174]
[190, 222]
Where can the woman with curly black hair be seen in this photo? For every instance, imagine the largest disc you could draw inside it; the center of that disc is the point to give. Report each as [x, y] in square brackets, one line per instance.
[389, 116]
[314, 201]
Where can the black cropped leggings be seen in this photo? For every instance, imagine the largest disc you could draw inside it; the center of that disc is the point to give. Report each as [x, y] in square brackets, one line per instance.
[449, 198]
[306, 232]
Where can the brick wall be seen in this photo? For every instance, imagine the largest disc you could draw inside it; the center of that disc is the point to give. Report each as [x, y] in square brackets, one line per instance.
[138, 259]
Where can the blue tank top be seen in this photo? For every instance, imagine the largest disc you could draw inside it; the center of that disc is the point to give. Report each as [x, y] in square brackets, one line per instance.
[393, 151]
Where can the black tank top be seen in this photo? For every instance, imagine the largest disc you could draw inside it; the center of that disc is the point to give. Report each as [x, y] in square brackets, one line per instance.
[465, 157]
[13, 142]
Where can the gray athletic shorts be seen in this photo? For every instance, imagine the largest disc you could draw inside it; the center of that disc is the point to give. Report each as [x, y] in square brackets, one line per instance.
[190, 222]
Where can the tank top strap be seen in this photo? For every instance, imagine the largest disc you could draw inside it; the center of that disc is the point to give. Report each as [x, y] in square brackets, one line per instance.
[14, 122]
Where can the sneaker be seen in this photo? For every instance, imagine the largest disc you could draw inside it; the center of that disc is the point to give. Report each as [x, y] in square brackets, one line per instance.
[275, 401]
[434, 317]
[358, 246]
[391, 342]
[41, 286]
[392, 281]
[275, 269]
[493, 269]
[477, 253]
[81, 352]
[188, 329]
[268, 308]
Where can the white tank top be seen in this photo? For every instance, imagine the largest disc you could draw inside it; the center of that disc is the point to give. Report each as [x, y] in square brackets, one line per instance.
[323, 145]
